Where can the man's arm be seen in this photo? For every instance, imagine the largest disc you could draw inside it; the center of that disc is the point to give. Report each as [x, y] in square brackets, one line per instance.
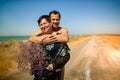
[59, 36]
[37, 37]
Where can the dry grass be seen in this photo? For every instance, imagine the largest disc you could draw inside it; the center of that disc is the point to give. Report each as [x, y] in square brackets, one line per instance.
[113, 39]
[8, 51]
[74, 39]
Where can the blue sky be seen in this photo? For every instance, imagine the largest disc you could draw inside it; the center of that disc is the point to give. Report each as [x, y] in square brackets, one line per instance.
[19, 17]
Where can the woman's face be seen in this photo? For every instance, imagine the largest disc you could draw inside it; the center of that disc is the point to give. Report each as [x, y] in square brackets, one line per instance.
[45, 26]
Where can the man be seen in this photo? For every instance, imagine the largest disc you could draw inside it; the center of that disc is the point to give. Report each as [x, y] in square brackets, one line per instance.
[49, 39]
[63, 32]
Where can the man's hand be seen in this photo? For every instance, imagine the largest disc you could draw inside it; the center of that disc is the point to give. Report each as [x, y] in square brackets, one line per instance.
[49, 39]
[50, 67]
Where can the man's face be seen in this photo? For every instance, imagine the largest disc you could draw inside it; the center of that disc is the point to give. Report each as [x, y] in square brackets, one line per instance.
[55, 19]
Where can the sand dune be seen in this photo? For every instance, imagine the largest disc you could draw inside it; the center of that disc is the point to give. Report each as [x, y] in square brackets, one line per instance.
[93, 59]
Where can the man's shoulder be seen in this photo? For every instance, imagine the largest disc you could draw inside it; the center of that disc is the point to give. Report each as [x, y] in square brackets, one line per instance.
[63, 28]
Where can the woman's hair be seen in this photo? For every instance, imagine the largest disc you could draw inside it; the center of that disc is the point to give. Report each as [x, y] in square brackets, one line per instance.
[43, 17]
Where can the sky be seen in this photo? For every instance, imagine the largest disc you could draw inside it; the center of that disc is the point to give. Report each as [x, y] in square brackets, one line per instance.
[19, 17]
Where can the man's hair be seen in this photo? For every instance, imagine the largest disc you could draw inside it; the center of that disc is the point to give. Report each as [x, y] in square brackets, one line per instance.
[43, 17]
[55, 12]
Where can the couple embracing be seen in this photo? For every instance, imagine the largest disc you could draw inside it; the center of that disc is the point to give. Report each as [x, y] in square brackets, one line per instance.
[50, 42]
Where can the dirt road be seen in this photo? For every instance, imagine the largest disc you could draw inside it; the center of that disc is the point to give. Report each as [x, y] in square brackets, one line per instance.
[93, 59]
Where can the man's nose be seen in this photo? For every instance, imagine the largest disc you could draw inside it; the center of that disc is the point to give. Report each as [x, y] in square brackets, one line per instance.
[54, 22]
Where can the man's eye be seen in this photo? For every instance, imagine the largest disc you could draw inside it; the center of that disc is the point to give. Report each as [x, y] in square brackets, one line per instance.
[55, 19]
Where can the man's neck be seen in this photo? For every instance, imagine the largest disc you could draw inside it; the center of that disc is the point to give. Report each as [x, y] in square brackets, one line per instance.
[56, 29]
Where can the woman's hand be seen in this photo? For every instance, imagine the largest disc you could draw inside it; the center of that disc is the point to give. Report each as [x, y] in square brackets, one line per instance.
[50, 67]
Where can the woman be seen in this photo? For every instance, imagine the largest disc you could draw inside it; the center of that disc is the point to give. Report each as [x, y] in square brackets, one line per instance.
[55, 57]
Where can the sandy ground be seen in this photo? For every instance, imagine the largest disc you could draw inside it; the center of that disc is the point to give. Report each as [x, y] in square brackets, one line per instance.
[93, 59]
